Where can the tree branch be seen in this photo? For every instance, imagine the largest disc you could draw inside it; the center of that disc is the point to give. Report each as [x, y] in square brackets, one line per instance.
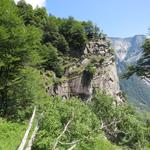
[22, 145]
[72, 147]
[65, 129]
[74, 142]
[105, 126]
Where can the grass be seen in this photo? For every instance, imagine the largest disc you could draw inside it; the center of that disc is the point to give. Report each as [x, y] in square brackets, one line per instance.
[11, 134]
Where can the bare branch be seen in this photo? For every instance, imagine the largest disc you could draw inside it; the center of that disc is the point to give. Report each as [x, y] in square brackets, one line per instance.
[103, 127]
[24, 140]
[107, 125]
[72, 147]
[74, 142]
[29, 146]
[65, 129]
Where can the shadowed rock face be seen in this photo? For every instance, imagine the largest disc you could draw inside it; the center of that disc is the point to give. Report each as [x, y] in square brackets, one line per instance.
[128, 51]
[100, 55]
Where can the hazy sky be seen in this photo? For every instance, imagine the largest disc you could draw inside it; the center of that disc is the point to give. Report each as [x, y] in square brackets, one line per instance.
[118, 18]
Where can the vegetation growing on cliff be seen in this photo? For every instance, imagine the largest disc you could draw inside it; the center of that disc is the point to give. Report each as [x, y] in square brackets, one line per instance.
[32, 42]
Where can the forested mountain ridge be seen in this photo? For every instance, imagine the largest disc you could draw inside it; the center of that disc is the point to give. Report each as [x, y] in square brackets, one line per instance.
[39, 55]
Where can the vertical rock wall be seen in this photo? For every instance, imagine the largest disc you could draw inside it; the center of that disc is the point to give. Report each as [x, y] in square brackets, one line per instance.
[98, 54]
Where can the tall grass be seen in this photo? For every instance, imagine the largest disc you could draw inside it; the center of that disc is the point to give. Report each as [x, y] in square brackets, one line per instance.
[11, 134]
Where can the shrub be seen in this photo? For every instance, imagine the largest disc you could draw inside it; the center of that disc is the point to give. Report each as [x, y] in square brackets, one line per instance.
[122, 125]
[84, 126]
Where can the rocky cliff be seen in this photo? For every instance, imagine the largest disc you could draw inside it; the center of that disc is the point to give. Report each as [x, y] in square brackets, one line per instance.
[128, 51]
[95, 69]
[128, 48]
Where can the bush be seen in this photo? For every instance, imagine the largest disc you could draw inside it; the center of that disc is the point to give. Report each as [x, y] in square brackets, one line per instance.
[84, 126]
[102, 105]
[122, 125]
[11, 134]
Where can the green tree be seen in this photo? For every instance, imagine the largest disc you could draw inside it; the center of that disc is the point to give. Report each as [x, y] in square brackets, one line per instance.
[40, 17]
[52, 35]
[78, 37]
[74, 33]
[17, 49]
[26, 12]
[29, 91]
[92, 31]
[51, 58]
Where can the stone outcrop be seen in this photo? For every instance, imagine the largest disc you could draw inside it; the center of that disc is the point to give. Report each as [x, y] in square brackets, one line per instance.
[100, 56]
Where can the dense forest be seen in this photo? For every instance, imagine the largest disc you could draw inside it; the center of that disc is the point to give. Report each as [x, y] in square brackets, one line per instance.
[33, 42]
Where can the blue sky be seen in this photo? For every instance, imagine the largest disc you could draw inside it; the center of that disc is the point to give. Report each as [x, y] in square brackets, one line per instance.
[117, 18]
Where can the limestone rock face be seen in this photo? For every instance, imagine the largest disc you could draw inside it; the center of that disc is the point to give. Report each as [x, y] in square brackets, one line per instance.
[81, 81]
[108, 81]
[80, 87]
[62, 90]
[98, 46]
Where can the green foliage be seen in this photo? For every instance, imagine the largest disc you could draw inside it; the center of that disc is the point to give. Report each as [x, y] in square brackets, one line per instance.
[146, 47]
[26, 93]
[51, 58]
[67, 35]
[97, 60]
[89, 72]
[105, 144]
[74, 33]
[91, 69]
[137, 90]
[101, 105]
[26, 12]
[11, 134]
[52, 35]
[40, 17]
[92, 31]
[84, 126]
[122, 124]
[31, 41]
[18, 50]
[130, 71]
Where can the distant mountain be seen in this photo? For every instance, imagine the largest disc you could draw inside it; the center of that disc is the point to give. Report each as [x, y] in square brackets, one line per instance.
[128, 51]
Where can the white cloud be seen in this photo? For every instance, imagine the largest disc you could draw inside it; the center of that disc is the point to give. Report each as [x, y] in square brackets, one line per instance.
[35, 3]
